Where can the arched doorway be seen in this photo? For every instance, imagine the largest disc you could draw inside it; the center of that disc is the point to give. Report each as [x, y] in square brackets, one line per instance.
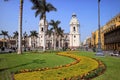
[49, 45]
[57, 44]
[66, 45]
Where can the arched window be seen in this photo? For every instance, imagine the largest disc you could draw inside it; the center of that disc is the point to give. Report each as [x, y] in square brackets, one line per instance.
[74, 36]
[41, 29]
[74, 29]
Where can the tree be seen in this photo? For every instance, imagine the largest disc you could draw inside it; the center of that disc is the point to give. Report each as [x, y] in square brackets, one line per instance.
[54, 25]
[16, 37]
[4, 33]
[41, 7]
[20, 27]
[60, 35]
[50, 34]
[33, 35]
[25, 39]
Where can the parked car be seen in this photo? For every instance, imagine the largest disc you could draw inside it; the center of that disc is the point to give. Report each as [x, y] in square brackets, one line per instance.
[115, 53]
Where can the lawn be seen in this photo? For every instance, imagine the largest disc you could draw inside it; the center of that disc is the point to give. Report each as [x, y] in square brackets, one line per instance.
[112, 63]
[14, 62]
[74, 70]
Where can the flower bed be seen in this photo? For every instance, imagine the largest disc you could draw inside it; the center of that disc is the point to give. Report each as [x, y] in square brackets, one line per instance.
[82, 68]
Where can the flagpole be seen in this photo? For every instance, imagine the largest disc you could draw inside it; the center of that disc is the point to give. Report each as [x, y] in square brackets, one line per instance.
[99, 50]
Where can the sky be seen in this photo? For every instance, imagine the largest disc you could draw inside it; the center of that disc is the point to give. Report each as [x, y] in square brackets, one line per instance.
[86, 11]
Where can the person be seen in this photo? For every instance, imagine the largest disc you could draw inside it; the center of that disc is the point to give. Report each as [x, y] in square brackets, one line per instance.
[94, 49]
[86, 48]
[3, 48]
[119, 52]
[114, 52]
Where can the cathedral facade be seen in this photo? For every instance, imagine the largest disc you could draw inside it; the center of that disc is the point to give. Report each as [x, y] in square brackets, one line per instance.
[69, 40]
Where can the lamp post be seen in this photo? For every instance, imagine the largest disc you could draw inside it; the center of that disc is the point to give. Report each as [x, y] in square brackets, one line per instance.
[99, 50]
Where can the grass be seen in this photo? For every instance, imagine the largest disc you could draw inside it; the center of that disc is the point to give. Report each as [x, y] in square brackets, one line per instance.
[83, 67]
[112, 63]
[14, 62]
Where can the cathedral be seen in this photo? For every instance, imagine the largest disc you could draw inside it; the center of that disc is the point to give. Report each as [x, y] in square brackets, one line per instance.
[69, 40]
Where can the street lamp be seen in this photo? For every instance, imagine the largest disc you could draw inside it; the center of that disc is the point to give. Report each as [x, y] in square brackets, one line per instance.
[99, 50]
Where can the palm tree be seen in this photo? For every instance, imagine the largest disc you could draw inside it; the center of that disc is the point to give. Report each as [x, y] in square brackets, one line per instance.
[33, 35]
[20, 27]
[54, 25]
[25, 40]
[16, 37]
[50, 34]
[60, 35]
[41, 7]
[4, 33]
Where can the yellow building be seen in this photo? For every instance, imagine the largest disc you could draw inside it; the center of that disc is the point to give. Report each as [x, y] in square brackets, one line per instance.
[94, 39]
[88, 42]
[110, 35]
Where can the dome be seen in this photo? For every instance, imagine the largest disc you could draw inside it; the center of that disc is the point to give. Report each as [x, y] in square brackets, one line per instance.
[42, 22]
[73, 15]
[74, 19]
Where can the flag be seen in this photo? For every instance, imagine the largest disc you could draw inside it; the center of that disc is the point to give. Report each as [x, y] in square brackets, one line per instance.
[98, 0]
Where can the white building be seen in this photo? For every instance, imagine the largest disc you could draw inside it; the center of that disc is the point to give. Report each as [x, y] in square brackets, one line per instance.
[74, 32]
[70, 40]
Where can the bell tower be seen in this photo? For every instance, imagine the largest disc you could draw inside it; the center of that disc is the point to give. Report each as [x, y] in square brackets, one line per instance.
[74, 32]
[42, 31]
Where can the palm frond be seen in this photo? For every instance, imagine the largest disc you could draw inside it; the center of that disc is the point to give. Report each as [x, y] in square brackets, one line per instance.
[58, 22]
[33, 33]
[37, 13]
[15, 34]
[41, 7]
[4, 33]
[50, 7]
